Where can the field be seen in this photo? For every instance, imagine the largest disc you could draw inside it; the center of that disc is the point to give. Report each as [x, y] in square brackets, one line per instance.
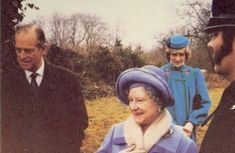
[104, 112]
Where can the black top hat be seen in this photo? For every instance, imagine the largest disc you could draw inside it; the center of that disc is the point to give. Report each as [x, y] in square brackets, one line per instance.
[223, 15]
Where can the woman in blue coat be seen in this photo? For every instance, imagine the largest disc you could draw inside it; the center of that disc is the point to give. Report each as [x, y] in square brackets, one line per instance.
[149, 128]
[190, 94]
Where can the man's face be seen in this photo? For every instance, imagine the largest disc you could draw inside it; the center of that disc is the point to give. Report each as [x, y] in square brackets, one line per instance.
[223, 64]
[29, 56]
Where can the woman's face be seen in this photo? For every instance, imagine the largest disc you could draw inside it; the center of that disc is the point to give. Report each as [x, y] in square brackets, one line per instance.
[142, 107]
[177, 59]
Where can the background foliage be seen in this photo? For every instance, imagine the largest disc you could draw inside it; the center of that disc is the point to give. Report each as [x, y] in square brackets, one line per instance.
[98, 68]
[83, 44]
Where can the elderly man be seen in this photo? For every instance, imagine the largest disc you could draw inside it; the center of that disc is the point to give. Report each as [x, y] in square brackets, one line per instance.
[42, 107]
[220, 136]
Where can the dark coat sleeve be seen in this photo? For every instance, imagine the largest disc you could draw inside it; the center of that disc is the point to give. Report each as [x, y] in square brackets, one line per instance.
[74, 121]
[51, 120]
[220, 134]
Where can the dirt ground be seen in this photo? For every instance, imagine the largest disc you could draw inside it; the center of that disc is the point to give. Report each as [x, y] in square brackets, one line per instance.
[105, 112]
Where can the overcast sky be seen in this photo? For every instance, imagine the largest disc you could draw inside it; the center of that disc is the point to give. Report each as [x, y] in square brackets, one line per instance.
[137, 20]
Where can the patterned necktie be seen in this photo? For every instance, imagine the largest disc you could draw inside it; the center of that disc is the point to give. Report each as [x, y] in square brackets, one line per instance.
[34, 83]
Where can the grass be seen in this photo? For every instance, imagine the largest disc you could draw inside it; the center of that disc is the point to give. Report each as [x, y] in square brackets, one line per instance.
[215, 95]
[105, 112]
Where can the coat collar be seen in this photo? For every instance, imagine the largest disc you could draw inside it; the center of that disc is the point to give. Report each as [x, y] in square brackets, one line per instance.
[134, 135]
[166, 144]
[49, 76]
[187, 72]
[182, 68]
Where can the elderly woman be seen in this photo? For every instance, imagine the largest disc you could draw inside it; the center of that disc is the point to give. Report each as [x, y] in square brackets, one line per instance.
[149, 127]
[190, 94]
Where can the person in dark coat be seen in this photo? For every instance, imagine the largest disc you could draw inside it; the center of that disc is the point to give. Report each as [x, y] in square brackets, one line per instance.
[220, 136]
[42, 107]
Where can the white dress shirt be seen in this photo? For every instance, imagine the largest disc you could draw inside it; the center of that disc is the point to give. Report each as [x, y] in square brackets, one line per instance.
[40, 73]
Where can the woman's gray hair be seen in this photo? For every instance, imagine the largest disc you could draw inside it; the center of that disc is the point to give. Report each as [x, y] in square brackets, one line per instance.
[155, 95]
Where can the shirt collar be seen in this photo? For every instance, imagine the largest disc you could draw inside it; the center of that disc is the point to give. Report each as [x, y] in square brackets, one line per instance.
[40, 71]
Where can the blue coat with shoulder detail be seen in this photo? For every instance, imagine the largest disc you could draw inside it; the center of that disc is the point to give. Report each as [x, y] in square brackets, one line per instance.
[187, 84]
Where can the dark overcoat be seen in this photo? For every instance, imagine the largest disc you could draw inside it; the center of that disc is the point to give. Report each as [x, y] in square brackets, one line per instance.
[51, 119]
[220, 136]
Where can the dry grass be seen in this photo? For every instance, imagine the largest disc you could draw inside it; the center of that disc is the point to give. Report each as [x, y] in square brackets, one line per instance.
[104, 112]
[215, 95]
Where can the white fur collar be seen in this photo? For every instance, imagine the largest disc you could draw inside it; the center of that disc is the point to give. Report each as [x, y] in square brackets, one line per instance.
[134, 135]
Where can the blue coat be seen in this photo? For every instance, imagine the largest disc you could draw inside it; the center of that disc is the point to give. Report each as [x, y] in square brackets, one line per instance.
[185, 83]
[175, 143]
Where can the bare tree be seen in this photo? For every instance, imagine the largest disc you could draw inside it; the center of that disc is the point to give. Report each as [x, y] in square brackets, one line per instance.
[78, 29]
[94, 29]
[59, 28]
[195, 14]
[40, 22]
[77, 32]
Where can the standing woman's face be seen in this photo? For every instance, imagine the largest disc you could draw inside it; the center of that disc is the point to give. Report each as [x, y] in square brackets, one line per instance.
[177, 59]
[142, 107]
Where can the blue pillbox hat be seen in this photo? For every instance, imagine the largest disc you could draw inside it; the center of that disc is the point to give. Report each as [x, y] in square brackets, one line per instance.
[177, 42]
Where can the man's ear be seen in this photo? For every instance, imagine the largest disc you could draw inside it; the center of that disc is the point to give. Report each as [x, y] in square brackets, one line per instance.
[45, 49]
